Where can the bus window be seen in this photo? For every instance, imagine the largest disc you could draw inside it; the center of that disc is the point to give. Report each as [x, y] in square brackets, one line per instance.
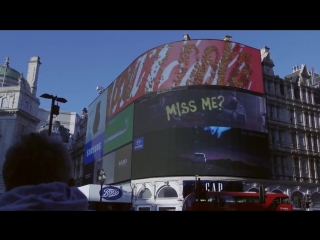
[213, 199]
[246, 199]
[227, 199]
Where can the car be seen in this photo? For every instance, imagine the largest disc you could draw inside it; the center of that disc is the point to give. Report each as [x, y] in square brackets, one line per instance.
[199, 158]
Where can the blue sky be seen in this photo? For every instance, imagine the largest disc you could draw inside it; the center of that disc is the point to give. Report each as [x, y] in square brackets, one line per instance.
[74, 63]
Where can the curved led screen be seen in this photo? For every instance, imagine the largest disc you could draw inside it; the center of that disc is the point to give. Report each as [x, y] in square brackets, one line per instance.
[193, 62]
[211, 132]
[208, 107]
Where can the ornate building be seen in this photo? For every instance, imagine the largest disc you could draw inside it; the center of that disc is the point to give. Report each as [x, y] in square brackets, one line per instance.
[293, 120]
[18, 105]
[78, 146]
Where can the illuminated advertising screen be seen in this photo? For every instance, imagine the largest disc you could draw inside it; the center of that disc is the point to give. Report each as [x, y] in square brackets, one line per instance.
[116, 165]
[88, 174]
[193, 62]
[119, 130]
[195, 107]
[97, 117]
[212, 186]
[202, 150]
[94, 149]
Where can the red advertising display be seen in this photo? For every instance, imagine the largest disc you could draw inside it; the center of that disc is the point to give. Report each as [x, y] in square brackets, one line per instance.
[193, 62]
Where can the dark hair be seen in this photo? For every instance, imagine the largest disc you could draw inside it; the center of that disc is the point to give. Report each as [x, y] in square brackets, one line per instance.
[233, 94]
[35, 159]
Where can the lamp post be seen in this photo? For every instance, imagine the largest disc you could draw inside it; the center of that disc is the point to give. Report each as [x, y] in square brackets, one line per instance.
[54, 108]
[101, 178]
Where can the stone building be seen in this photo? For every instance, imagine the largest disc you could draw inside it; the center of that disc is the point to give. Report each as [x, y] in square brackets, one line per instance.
[293, 120]
[18, 105]
[77, 149]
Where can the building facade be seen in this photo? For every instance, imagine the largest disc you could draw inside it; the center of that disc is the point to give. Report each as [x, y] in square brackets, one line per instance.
[77, 149]
[293, 122]
[18, 105]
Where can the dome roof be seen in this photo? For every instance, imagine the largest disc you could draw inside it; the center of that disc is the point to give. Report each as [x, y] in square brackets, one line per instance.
[11, 73]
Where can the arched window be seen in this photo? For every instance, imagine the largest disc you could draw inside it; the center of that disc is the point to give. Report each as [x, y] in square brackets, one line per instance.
[296, 198]
[315, 199]
[145, 193]
[277, 191]
[167, 192]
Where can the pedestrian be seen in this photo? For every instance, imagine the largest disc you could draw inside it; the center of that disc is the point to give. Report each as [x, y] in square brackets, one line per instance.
[37, 174]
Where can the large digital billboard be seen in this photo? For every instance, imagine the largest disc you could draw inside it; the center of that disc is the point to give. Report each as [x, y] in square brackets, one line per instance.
[193, 62]
[116, 165]
[119, 130]
[94, 149]
[203, 151]
[206, 107]
[97, 117]
[88, 174]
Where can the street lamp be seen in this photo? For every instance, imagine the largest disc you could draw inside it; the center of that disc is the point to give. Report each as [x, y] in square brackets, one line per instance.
[101, 179]
[54, 108]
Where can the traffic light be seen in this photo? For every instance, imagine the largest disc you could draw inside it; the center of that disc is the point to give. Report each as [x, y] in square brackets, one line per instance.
[262, 194]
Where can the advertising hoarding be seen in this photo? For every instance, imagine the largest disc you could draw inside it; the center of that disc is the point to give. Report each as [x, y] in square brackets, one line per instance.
[116, 165]
[88, 174]
[205, 107]
[97, 117]
[193, 62]
[121, 193]
[204, 150]
[94, 149]
[214, 186]
[119, 130]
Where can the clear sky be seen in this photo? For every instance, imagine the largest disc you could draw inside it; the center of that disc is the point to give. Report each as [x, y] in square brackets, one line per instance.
[74, 63]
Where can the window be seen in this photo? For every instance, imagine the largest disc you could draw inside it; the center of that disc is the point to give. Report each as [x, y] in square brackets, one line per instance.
[281, 137]
[310, 97]
[318, 168]
[307, 119]
[294, 140]
[296, 166]
[275, 88]
[283, 165]
[312, 120]
[4, 103]
[143, 208]
[303, 96]
[167, 192]
[279, 113]
[273, 137]
[145, 193]
[227, 199]
[246, 199]
[315, 144]
[312, 170]
[291, 116]
[275, 164]
[289, 92]
[309, 143]
[167, 208]
[271, 111]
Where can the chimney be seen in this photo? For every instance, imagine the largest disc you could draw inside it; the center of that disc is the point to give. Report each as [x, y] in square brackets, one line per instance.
[227, 38]
[32, 75]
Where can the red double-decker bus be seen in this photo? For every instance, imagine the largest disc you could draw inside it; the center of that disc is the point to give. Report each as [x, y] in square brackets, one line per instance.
[236, 201]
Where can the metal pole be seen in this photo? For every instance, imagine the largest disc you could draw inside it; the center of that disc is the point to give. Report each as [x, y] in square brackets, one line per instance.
[100, 205]
[51, 115]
